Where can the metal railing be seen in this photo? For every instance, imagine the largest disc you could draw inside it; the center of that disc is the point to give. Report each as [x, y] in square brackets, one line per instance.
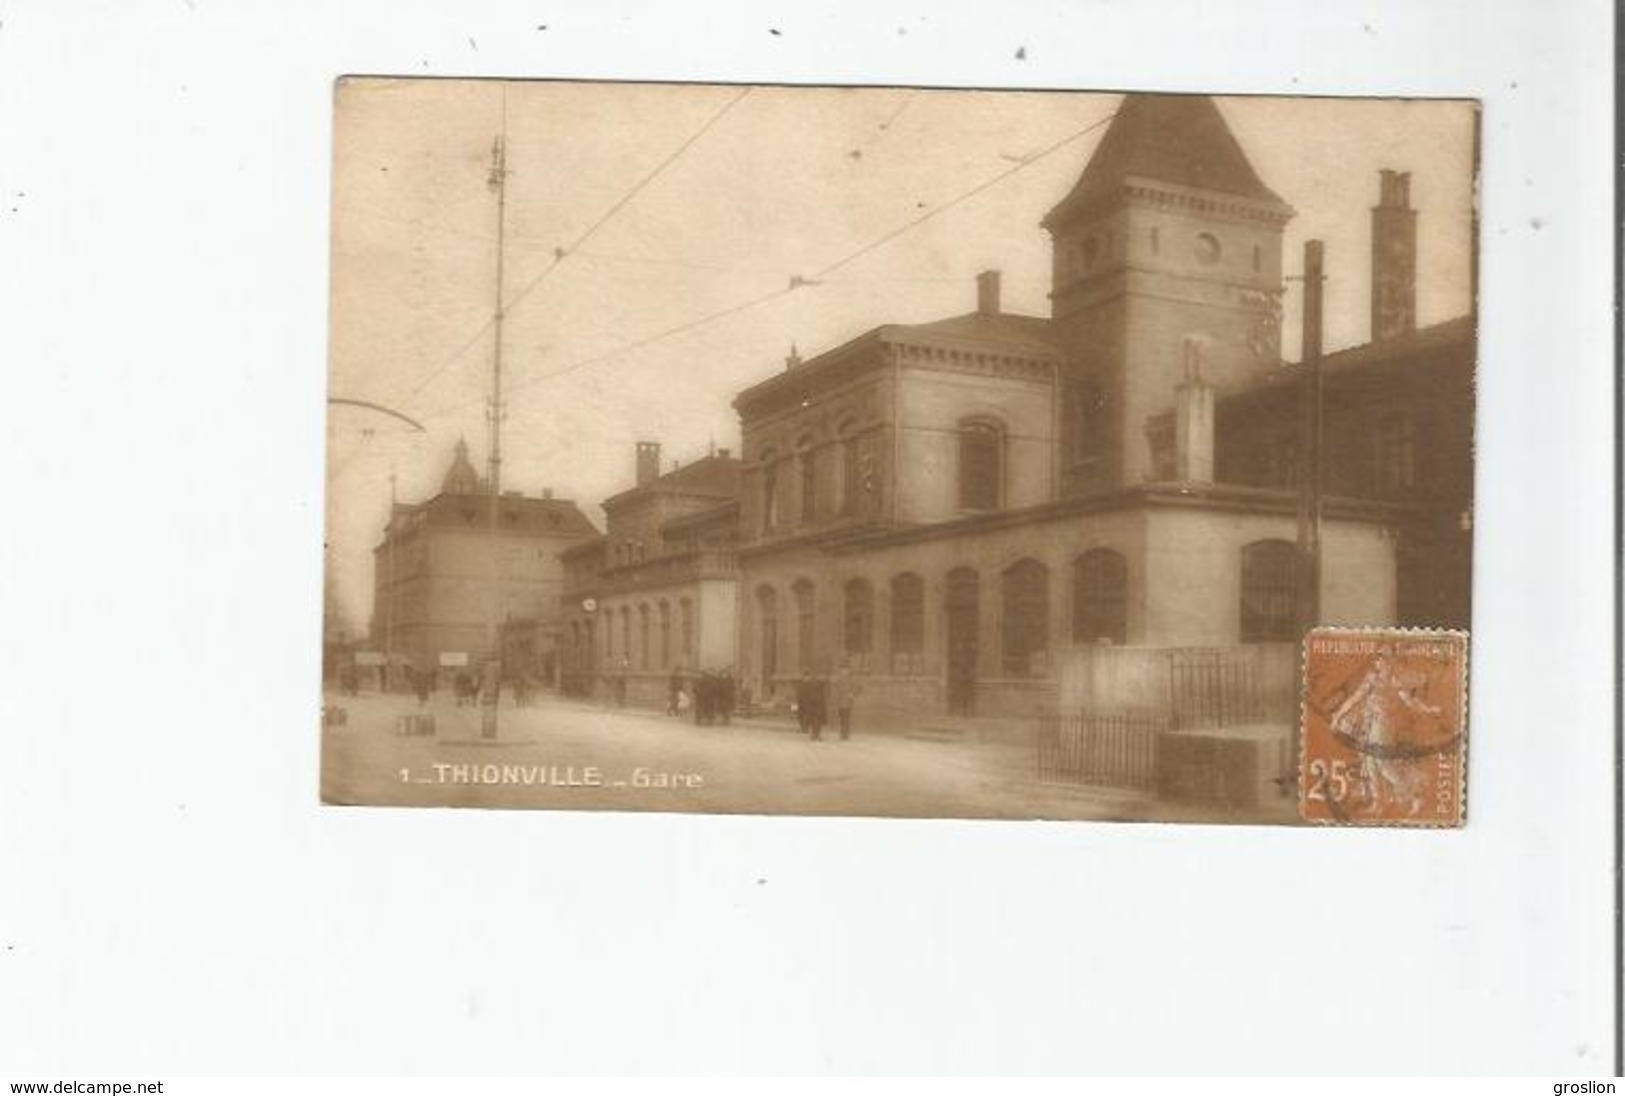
[1213, 688]
[1111, 749]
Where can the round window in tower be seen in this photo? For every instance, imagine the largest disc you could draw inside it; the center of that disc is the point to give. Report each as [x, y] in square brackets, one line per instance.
[1207, 248]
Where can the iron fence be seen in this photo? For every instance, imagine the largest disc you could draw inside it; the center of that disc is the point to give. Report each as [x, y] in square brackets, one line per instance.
[1116, 749]
[1213, 688]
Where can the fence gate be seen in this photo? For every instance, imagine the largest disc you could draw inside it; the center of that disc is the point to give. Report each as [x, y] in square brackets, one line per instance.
[1116, 750]
[1213, 688]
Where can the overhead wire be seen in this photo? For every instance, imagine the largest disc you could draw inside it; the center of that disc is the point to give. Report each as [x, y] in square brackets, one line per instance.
[796, 282]
[561, 253]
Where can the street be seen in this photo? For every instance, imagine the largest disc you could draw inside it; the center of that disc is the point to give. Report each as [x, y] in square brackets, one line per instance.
[566, 754]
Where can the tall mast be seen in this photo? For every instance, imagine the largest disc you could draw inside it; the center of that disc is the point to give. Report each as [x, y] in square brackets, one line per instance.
[497, 181]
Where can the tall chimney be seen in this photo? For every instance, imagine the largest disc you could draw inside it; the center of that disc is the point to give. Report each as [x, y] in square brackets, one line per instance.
[1393, 258]
[648, 462]
[1193, 420]
[987, 292]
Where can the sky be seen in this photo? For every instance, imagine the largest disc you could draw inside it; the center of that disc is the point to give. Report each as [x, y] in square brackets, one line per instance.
[637, 212]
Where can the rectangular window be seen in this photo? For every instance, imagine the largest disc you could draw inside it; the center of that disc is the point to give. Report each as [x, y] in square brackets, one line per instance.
[1393, 453]
[981, 466]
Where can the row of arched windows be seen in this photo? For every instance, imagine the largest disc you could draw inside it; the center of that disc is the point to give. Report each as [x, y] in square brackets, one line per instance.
[855, 478]
[641, 637]
[1099, 614]
[651, 636]
[1099, 609]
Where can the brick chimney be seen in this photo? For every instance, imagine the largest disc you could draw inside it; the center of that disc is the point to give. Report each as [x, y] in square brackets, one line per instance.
[648, 462]
[1393, 258]
[987, 292]
[1193, 420]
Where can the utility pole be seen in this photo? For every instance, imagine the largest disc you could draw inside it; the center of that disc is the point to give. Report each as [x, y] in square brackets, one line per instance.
[1311, 461]
[391, 579]
[497, 181]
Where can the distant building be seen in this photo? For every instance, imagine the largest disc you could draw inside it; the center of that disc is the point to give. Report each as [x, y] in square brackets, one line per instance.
[433, 574]
[657, 591]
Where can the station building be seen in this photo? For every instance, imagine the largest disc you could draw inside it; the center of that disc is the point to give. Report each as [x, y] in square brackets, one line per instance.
[995, 513]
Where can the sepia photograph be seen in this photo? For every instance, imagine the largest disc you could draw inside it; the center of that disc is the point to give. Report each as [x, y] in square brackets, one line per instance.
[895, 451]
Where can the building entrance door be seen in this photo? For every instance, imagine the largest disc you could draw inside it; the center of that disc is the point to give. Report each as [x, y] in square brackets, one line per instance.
[964, 622]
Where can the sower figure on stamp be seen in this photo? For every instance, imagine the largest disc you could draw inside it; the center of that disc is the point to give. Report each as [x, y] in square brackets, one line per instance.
[1370, 719]
[845, 688]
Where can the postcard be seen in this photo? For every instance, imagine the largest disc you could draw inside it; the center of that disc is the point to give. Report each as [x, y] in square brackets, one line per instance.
[907, 452]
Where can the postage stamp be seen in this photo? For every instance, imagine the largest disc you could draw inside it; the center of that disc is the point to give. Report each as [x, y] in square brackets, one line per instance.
[1384, 727]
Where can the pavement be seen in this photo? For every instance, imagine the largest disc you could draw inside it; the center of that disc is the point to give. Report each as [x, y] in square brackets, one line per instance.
[567, 754]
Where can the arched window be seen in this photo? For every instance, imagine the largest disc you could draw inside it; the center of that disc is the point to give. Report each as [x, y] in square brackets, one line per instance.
[1025, 586]
[859, 617]
[589, 649]
[685, 613]
[770, 490]
[1100, 597]
[851, 469]
[1269, 592]
[767, 624]
[626, 634]
[809, 480]
[665, 635]
[643, 637]
[806, 622]
[981, 464]
[907, 624]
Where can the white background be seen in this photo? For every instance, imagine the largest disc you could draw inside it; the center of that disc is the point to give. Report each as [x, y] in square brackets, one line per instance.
[172, 898]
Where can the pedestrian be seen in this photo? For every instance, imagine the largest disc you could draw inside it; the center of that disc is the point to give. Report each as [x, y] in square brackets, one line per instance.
[725, 696]
[674, 691]
[845, 688]
[820, 713]
[705, 698]
[807, 705]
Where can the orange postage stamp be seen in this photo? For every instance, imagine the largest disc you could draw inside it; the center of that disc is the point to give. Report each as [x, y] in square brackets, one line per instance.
[1384, 727]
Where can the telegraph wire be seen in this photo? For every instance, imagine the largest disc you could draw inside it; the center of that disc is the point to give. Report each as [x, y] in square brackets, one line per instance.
[798, 281]
[969, 194]
[561, 253]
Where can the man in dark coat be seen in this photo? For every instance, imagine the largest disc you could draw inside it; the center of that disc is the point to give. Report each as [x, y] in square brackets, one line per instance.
[804, 686]
[725, 696]
[811, 704]
[705, 698]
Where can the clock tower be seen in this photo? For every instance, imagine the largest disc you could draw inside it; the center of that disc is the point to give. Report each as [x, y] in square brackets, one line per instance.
[1166, 272]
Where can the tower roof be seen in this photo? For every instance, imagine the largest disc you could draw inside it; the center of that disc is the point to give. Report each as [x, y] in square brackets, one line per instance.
[1180, 139]
[460, 478]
